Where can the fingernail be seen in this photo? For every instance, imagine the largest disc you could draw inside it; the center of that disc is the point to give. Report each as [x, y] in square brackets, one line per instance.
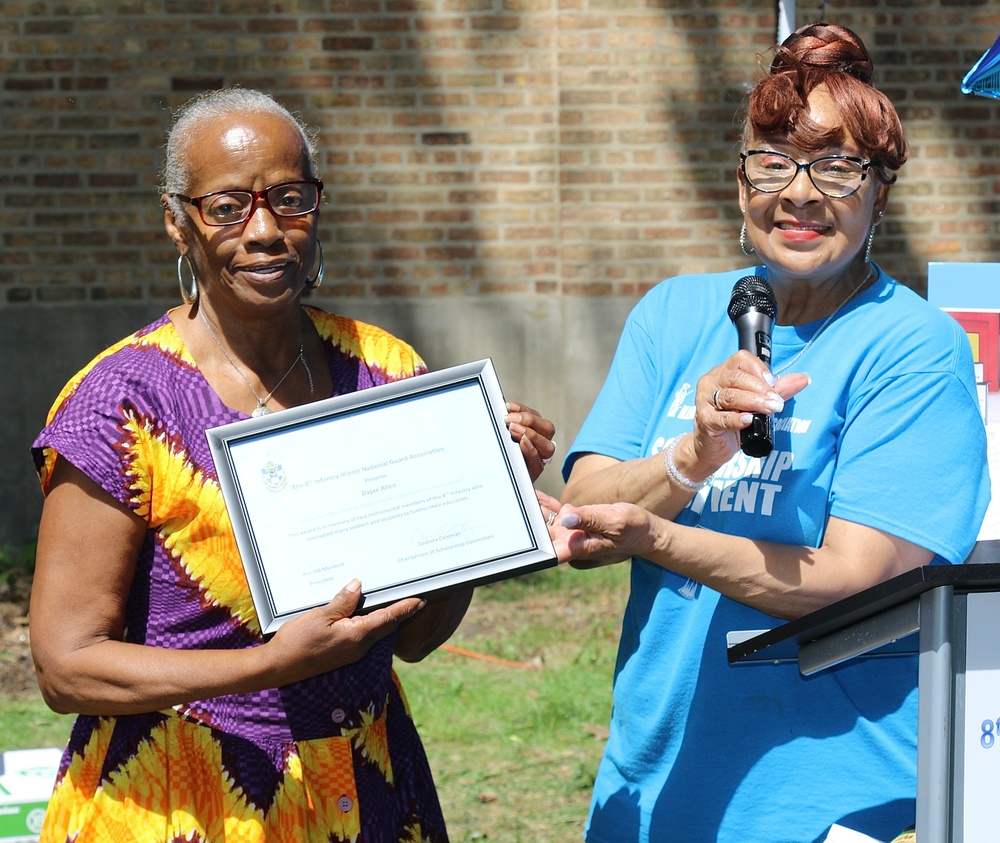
[571, 519]
[770, 379]
[353, 585]
[776, 403]
[746, 418]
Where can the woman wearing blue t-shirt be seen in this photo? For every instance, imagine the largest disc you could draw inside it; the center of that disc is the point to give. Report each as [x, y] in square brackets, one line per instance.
[860, 486]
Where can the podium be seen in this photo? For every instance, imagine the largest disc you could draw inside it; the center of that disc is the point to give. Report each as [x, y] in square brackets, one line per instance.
[950, 616]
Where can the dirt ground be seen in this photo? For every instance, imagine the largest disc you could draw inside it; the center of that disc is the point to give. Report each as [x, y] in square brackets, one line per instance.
[17, 674]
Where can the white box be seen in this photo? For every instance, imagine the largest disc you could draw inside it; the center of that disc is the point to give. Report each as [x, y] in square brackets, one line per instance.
[26, 779]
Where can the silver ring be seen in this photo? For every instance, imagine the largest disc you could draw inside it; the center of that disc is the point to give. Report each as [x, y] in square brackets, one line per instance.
[552, 517]
[715, 401]
[547, 461]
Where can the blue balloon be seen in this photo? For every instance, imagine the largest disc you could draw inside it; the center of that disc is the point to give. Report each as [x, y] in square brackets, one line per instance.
[984, 77]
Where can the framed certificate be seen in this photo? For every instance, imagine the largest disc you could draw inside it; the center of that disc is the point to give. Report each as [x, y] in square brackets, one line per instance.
[413, 487]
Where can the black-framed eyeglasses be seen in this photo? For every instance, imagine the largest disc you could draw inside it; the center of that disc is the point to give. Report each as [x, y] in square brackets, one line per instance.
[836, 176]
[229, 207]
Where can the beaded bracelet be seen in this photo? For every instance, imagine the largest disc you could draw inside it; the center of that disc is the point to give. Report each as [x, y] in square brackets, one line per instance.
[673, 472]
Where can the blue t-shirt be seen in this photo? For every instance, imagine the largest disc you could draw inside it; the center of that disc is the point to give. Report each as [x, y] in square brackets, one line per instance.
[888, 434]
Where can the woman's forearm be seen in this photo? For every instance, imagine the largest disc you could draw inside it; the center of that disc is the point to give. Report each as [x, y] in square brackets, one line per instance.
[115, 678]
[783, 580]
[644, 481]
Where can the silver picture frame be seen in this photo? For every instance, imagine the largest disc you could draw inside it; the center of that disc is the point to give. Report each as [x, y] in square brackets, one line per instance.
[413, 487]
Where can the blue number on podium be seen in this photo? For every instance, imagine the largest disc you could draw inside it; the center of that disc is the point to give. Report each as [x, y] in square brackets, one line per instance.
[988, 737]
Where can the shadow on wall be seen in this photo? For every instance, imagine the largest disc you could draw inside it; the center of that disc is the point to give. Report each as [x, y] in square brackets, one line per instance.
[42, 347]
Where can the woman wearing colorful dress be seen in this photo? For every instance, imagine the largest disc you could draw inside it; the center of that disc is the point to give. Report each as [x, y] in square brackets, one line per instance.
[191, 725]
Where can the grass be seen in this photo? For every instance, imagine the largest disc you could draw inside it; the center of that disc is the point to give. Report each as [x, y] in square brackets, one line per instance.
[514, 749]
[25, 721]
[513, 711]
[30, 723]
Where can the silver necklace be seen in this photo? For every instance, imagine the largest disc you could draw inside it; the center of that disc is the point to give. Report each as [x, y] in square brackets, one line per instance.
[260, 409]
[828, 320]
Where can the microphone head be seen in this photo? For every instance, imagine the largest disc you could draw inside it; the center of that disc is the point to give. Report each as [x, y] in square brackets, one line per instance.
[752, 293]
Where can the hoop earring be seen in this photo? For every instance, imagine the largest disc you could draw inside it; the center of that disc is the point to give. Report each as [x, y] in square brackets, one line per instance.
[743, 241]
[312, 282]
[188, 285]
[868, 247]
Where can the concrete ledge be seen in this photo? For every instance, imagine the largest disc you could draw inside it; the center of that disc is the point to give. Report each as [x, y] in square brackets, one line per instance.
[551, 353]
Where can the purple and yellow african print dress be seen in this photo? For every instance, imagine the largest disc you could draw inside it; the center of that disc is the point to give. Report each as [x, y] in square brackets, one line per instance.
[332, 758]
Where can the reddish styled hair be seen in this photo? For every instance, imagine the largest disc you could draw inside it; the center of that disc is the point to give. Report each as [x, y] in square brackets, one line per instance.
[834, 56]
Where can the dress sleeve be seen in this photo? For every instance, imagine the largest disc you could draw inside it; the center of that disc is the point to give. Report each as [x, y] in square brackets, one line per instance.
[94, 425]
[384, 358]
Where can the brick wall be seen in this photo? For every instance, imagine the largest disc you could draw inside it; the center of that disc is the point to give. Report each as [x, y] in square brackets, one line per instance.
[504, 177]
[550, 147]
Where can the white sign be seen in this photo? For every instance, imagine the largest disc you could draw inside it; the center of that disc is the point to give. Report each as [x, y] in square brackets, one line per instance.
[982, 716]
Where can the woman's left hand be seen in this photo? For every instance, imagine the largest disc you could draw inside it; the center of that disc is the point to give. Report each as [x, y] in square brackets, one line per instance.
[598, 534]
[534, 434]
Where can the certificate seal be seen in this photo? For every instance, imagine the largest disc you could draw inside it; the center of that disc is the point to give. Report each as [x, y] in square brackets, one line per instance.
[274, 477]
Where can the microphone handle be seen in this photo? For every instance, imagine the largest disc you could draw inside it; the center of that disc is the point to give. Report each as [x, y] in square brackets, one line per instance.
[757, 440]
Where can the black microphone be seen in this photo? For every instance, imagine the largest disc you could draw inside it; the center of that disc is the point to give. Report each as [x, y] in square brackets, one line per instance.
[753, 309]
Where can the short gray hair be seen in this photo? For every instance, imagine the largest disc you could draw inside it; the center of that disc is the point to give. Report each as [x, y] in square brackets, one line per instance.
[176, 175]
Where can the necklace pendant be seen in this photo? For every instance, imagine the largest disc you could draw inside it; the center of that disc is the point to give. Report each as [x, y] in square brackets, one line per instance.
[260, 410]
